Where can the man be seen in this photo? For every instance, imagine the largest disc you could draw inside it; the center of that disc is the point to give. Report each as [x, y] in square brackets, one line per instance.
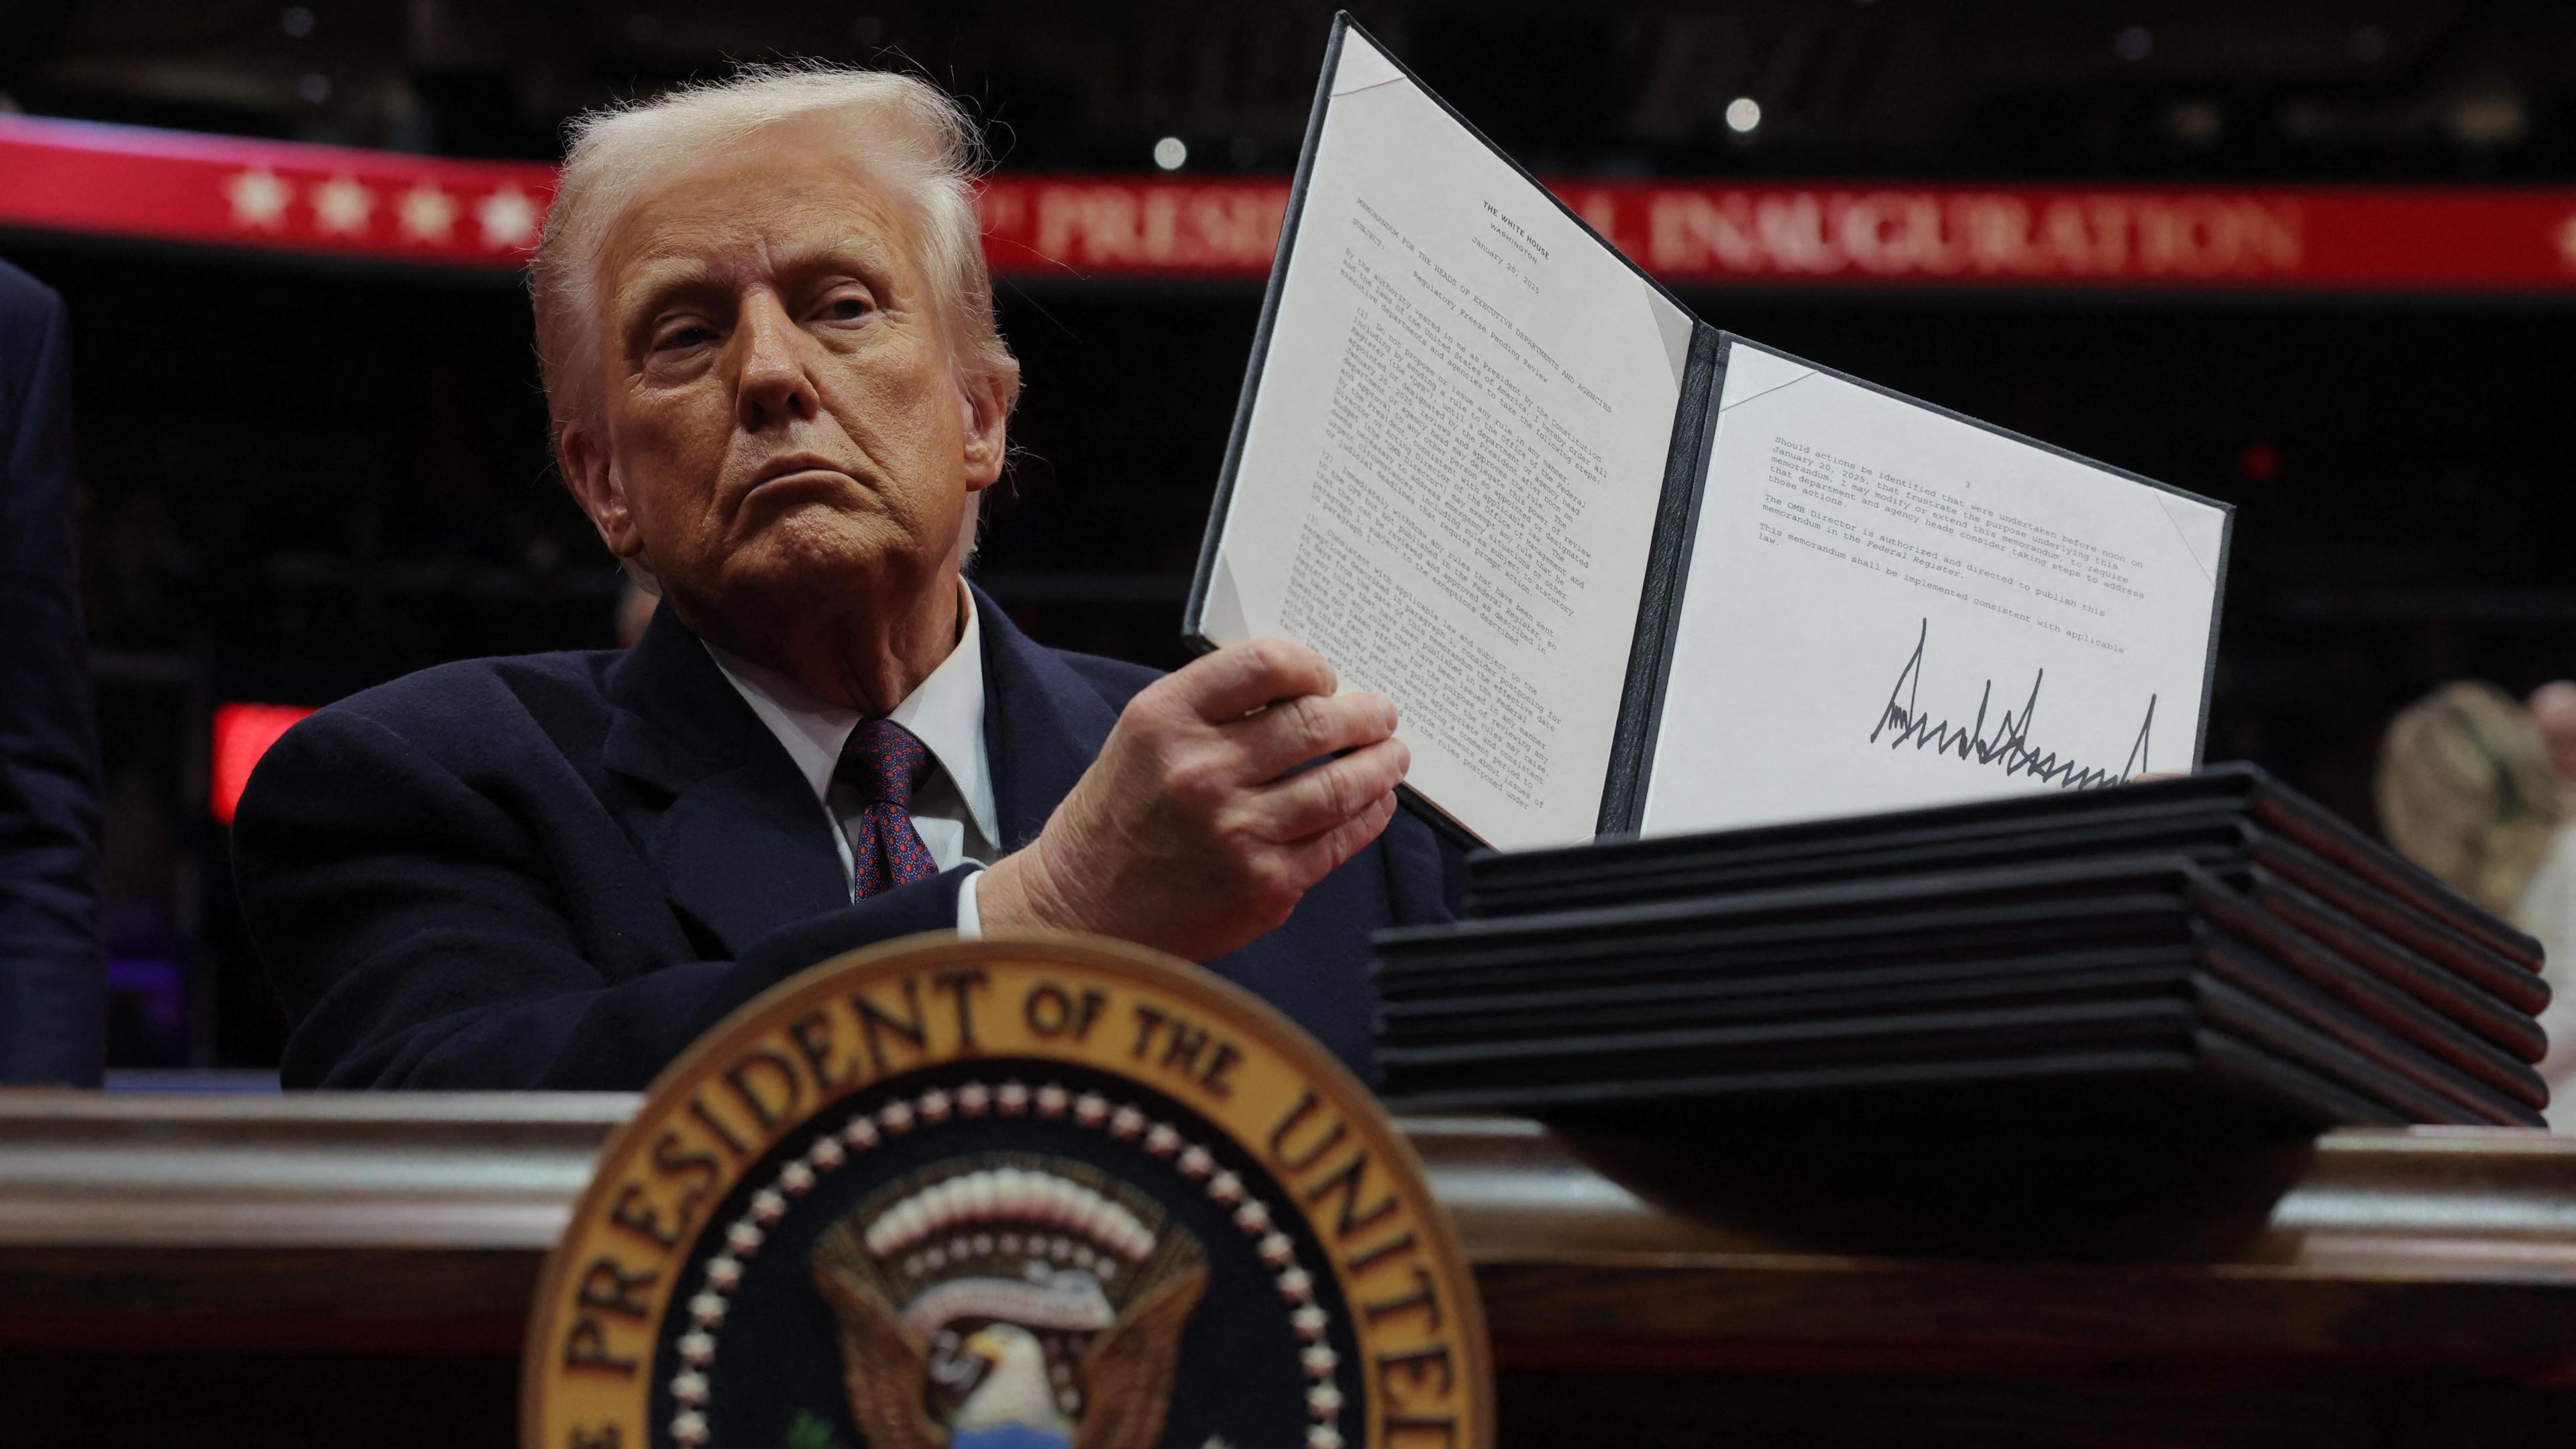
[776, 389]
[2553, 709]
[53, 980]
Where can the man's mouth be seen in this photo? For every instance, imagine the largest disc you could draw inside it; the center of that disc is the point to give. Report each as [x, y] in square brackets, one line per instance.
[788, 465]
[796, 472]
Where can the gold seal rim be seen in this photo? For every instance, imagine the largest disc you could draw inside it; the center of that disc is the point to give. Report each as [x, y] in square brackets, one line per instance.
[1141, 967]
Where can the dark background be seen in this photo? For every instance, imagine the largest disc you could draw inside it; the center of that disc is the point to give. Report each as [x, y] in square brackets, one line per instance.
[303, 478]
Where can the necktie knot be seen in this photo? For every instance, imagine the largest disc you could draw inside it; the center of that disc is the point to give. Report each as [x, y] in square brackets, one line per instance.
[881, 766]
[884, 762]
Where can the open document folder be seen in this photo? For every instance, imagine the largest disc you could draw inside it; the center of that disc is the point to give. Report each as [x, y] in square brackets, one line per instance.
[1624, 572]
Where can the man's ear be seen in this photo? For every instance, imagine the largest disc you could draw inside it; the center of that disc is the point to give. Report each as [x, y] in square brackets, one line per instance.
[986, 411]
[597, 488]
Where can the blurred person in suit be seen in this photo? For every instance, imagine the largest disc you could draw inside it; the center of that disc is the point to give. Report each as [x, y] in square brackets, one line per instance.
[2467, 790]
[53, 982]
[2553, 708]
[778, 391]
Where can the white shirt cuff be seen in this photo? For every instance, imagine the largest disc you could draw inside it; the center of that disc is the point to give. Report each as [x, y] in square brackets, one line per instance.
[970, 926]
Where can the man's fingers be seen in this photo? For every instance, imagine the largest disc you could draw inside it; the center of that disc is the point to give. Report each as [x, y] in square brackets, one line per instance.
[1325, 797]
[1318, 856]
[1240, 678]
[1309, 727]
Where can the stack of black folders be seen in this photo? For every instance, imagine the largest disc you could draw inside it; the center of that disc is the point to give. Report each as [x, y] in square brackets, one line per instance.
[2211, 949]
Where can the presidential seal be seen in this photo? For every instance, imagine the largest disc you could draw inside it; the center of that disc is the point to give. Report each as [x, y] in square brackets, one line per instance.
[1052, 1193]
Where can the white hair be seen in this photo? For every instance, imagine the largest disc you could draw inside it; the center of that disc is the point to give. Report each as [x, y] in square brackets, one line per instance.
[906, 134]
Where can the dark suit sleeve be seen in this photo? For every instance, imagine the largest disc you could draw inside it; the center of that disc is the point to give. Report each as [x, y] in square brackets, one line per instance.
[53, 983]
[1426, 871]
[413, 929]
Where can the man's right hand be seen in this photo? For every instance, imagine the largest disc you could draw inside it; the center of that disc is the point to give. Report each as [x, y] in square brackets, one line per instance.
[1196, 830]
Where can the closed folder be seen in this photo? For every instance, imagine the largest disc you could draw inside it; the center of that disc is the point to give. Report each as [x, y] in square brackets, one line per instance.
[2212, 925]
[2232, 806]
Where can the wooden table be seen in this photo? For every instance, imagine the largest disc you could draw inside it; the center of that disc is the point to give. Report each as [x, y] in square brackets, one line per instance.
[353, 1269]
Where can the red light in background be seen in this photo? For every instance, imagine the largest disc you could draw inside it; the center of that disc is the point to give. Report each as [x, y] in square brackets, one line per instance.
[2259, 463]
[243, 733]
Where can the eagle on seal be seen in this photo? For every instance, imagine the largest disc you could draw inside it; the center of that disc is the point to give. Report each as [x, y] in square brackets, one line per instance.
[1009, 1302]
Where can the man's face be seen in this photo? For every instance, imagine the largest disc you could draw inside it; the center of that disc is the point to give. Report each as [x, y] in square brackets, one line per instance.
[2553, 708]
[783, 428]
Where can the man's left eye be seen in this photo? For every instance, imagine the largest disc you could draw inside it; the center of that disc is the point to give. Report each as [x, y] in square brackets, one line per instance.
[847, 309]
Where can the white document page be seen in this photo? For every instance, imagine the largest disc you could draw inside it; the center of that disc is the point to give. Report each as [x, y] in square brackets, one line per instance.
[1889, 607]
[1449, 481]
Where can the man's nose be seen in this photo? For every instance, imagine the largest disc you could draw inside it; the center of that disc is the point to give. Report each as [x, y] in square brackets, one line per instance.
[775, 385]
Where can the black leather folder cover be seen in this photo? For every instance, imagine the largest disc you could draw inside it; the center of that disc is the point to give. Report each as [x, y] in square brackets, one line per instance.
[2376, 975]
[2156, 815]
[2158, 1064]
[2477, 1083]
[2447, 971]
[1939, 942]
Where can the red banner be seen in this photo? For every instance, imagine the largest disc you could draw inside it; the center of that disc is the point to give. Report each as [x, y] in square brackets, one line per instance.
[124, 181]
[180, 186]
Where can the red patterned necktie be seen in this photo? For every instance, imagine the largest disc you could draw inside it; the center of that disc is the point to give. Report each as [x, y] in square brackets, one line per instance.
[881, 765]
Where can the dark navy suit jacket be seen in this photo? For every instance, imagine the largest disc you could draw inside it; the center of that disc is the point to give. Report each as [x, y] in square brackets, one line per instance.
[556, 871]
[53, 981]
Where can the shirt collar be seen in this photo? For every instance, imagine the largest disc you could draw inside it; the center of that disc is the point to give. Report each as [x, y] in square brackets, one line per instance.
[945, 712]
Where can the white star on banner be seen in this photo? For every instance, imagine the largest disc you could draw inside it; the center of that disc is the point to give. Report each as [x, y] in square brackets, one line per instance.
[2567, 241]
[509, 218]
[427, 213]
[259, 198]
[341, 206]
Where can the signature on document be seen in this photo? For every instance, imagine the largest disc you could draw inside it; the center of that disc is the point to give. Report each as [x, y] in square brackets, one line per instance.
[2010, 747]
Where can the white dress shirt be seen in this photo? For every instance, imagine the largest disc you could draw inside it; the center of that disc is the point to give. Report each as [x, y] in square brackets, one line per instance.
[2548, 910]
[952, 808]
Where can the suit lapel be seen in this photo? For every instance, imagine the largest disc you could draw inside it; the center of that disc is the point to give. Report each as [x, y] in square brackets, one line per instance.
[742, 845]
[1043, 725]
